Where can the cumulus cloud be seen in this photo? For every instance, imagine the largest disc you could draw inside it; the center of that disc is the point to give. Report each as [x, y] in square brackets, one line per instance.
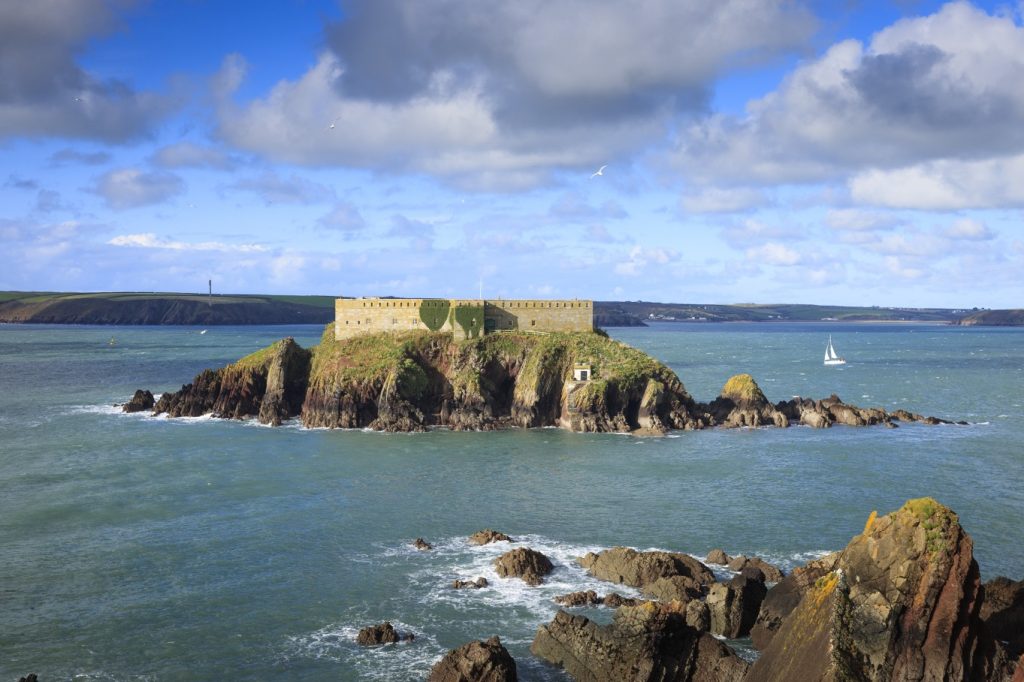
[937, 89]
[44, 91]
[148, 240]
[640, 258]
[191, 155]
[133, 187]
[497, 95]
[274, 189]
[944, 185]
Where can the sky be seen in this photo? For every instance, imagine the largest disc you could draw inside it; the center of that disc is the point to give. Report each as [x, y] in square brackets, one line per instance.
[753, 151]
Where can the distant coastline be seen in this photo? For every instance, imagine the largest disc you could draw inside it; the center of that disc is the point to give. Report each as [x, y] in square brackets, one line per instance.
[159, 308]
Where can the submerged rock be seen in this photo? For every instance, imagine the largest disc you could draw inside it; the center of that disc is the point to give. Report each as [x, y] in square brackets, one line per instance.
[470, 584]
[422, 545]
[903, 603]
[383, 633]
[484, 661]
[524, 563]
[647, 642]
[487, 536]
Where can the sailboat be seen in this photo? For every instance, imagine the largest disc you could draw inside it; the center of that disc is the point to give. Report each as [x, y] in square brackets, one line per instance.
[830, 354]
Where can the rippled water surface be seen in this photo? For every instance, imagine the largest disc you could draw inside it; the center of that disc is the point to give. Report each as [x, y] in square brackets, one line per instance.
[136, 548]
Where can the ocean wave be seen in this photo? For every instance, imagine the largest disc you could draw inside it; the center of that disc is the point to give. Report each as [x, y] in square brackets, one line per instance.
[337, 643]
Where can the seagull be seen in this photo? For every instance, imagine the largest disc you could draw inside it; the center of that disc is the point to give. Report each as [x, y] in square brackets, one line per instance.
[202, 332]
[600, 171]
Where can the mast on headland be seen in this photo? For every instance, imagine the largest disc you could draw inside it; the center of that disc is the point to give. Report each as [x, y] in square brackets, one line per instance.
[209, 296]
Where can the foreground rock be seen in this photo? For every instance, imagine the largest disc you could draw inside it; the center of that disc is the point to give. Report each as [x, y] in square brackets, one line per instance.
[527, 564]
[785, 595]
[487, 536]
[1003, 613]
[627, 566]
[140, 402]
[384, 633]
[411, 381]
[733, 606]
[647, 642]
[903, 603]
[485, 661]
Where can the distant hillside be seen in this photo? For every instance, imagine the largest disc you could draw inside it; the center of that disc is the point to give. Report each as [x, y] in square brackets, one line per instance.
[166, 309]
[640, 311]
[994, 318]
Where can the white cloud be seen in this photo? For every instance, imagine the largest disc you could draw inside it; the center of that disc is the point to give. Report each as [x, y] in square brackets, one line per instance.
[944, 185]
[969, 230]
[640, 258]
[773, 253]
[133, 187]
[148, 240]
[937, 89]
[724, 200]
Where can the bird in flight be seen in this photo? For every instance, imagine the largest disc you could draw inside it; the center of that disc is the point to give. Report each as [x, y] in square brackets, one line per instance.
[600, 171]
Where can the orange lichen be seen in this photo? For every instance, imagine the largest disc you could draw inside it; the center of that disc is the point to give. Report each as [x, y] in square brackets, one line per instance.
[871, 522]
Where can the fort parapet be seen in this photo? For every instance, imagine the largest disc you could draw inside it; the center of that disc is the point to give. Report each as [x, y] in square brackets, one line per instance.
[465, 318]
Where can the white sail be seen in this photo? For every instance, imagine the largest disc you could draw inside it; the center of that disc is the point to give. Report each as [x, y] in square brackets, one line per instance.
[831, 358]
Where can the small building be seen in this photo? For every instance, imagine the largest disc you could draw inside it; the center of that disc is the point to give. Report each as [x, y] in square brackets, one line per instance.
[581, 371]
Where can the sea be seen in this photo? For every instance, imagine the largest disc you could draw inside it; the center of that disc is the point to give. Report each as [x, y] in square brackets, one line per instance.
[142, 548]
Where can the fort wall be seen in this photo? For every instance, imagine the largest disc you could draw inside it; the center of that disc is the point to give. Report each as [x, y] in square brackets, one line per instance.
[464, 318]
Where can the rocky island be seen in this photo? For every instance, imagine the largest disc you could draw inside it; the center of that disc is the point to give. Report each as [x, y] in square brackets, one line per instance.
[416, 380]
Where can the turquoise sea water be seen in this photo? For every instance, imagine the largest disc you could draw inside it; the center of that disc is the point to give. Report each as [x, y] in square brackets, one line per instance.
[134, 548]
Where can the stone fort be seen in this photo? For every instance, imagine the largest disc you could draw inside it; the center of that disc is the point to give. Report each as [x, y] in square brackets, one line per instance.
[465, 318]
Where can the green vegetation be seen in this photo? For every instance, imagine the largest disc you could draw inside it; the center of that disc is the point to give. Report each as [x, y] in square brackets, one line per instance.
[434, 312]
[470, 318]
[368, 358]
[742, 388]
[258, 360]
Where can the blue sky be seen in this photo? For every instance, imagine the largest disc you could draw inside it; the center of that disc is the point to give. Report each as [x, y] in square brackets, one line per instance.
[861, 153]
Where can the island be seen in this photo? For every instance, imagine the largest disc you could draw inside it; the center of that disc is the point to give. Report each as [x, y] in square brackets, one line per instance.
[481, 365]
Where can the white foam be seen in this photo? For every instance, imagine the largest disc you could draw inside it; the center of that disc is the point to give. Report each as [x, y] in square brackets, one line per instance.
[337, 643]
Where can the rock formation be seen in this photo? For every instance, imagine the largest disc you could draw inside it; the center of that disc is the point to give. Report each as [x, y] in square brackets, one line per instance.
[422, 545]
[718, 557]
[383, 633]
[647, 642]
[587, 598]
[637, 569]
[771, 573]
[485, 661]
[412, 381]
[527, 564]
[1003, 613]
[140, 402]
[733, 606]
[470, 584]
[785, 595]
[903, 603]
[487, 536]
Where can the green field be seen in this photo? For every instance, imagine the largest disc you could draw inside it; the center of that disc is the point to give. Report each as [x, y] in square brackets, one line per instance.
[44, 296]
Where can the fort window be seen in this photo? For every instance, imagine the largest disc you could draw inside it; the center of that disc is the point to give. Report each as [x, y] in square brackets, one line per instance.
[533, 323]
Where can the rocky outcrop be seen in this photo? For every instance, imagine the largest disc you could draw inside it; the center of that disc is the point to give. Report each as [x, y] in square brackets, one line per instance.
[1003, 612]
[524, 563]
[771, 573]
[646, 642]
[470, 584]
[422, 545]
[383, 633]
[614, 600]
[785, 595]
[412, 381]
[484, 661]
[903, 603]
[269, 384]
[733, 606]
[742, 403]
[583, 598]
[718, 557]
[487, 536]
[637, 569]
[673, 588]
[140, 402]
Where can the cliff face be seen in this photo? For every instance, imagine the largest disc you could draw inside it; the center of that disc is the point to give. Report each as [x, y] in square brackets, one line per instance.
[415, 380]
[158, 309]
